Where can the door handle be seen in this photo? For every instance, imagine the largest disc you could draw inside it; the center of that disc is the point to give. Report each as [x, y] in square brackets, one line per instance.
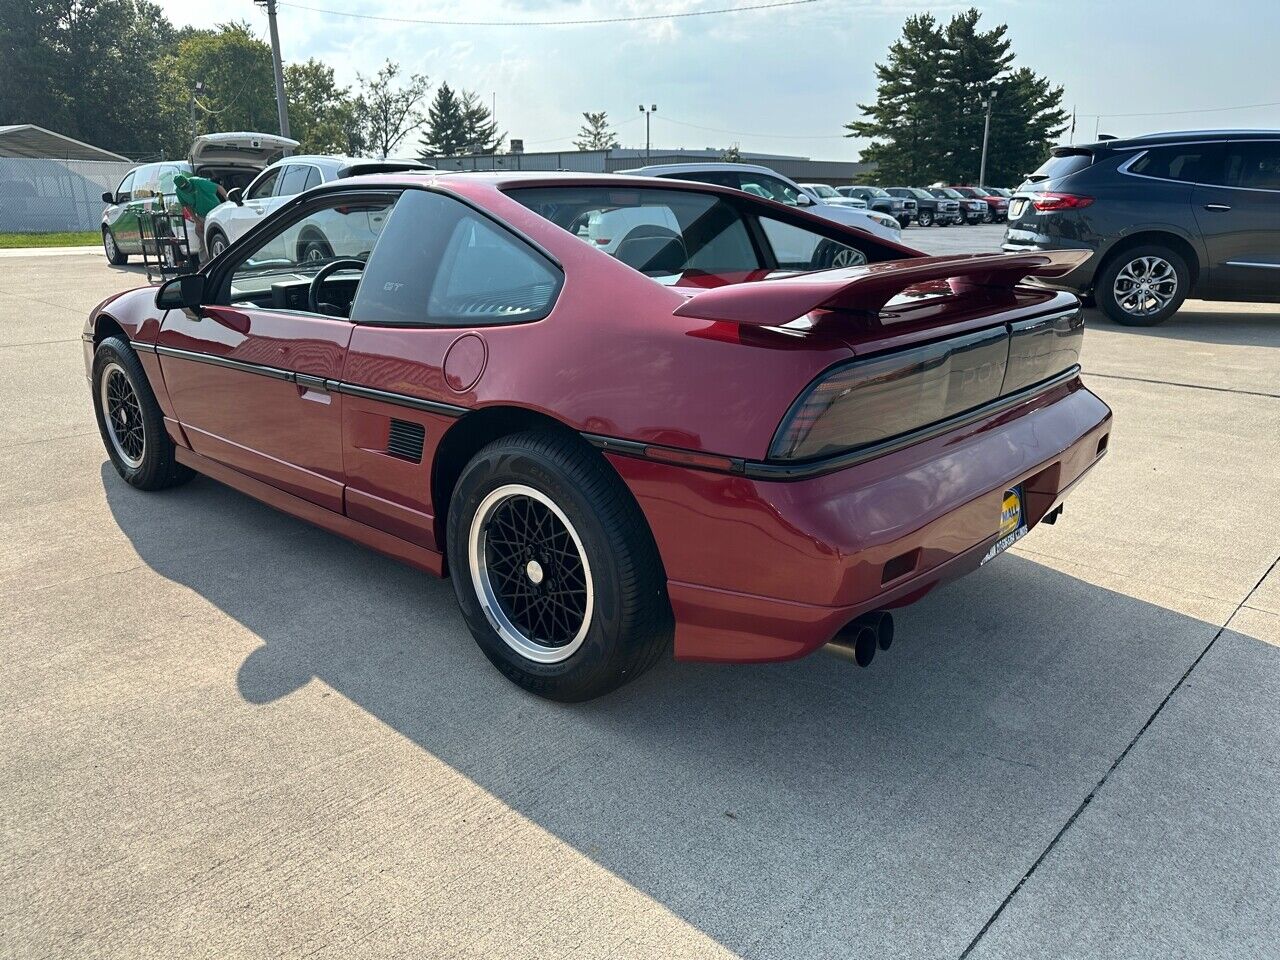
[1217, 207]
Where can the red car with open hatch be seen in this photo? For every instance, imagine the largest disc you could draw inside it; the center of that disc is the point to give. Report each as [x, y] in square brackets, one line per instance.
[618, 412]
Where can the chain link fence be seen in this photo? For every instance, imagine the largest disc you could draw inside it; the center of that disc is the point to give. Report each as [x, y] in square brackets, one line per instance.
[45, 196]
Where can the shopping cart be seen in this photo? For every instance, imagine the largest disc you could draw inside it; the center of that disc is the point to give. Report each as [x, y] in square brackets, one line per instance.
[166, 240]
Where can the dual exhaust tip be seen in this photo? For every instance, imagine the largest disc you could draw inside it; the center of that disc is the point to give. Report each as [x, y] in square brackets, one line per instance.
[866, 634]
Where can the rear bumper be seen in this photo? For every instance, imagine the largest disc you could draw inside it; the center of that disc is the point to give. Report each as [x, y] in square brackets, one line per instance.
[770, 570]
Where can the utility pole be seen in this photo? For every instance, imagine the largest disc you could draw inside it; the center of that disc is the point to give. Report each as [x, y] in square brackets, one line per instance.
[282, 105]
[986, 134]
[647, 113]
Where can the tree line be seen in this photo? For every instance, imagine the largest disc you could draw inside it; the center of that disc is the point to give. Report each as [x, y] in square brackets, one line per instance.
[926, 125]
[119, 75]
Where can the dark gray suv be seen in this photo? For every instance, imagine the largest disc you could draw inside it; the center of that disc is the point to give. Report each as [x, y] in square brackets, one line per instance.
[1166, 216]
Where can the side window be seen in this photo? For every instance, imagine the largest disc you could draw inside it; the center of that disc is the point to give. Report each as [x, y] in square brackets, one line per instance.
[123, 192]
[313, 178]
[445, 265]
[1185, 163]
[278, 272]
[795, 248]
[164, 179]
[293, 180]
[771, 188]
[264, 185]
[708, 176]
[1254, 165]
[144, 182]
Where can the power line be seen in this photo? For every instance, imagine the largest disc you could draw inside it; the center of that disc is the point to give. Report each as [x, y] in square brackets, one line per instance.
[548, 23]
[1174, 113]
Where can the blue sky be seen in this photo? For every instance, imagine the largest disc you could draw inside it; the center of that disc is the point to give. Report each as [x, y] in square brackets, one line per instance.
[785, 80]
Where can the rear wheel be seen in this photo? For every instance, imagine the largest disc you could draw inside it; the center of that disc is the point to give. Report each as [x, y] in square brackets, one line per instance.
[115, 256]
[1143, 286]
[314, 249]
[130, 421]
[554, 567]
[924, 218]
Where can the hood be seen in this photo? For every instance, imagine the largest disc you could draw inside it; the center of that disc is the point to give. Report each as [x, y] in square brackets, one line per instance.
[252, 151]
[851, 217]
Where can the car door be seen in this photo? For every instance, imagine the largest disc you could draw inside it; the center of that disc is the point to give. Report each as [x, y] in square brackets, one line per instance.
[121, 220]
[140, 198]
[255, 204]
[443, 284]
[251, 373]
[1239, 219]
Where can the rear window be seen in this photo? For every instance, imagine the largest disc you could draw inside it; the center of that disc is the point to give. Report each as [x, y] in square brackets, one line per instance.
[667, 233]
[1062, 165]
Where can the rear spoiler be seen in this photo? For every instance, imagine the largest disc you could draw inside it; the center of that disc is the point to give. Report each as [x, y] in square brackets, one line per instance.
[772, 303]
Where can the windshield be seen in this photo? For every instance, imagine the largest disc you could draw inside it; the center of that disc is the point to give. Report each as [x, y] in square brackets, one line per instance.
[979, 192]
[823, 191]
[875, 191]
[918, 193]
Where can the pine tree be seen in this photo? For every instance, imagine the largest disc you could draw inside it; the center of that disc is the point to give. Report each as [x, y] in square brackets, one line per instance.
[595, 133]
[480, 130]
[926, 124]
[909, 142]
[446, 134]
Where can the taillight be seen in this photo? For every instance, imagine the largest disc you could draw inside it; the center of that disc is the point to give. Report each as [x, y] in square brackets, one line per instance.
[1059, 201]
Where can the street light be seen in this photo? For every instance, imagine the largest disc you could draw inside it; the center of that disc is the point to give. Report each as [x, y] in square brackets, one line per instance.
[986, 133]
[653, 108]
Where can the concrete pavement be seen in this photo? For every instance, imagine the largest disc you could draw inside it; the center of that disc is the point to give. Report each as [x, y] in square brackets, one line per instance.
[231, 734]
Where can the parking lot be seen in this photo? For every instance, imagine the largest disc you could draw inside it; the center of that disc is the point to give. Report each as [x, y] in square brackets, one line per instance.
[231, 734]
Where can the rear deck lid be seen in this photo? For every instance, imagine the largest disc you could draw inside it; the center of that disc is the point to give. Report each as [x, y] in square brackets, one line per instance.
[252, 151]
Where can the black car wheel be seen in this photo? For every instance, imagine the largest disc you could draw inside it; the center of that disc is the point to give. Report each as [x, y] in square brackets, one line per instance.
[217, 242]
[554, 567]
[924, 218]
[130, 421]
[1143, 286]
[115, 256]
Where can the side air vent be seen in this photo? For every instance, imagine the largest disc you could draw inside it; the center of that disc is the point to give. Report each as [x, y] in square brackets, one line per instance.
[405, 440]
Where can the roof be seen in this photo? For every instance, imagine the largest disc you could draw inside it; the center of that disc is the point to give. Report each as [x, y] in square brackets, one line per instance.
[1180, 136]
[28, 140]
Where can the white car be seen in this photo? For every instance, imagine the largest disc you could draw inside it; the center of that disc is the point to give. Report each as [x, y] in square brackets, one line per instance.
[828, 194]
[763, 182]
[283, 179]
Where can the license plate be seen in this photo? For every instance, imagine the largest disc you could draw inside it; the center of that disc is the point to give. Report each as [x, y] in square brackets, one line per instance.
[1016, 207]
[1011, 528]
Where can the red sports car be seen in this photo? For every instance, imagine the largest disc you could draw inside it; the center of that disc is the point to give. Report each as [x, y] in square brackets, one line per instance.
[616, 411]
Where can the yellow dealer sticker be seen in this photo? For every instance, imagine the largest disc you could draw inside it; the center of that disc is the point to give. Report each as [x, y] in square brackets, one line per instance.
[1012, 529]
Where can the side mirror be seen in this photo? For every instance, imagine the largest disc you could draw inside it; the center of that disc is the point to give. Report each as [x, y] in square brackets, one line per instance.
[181, 293]
[108, 197]
[804, 200]
[236, 196]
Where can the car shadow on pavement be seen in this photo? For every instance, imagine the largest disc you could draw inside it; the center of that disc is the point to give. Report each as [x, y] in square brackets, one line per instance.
[795, 809]
[1199, 323]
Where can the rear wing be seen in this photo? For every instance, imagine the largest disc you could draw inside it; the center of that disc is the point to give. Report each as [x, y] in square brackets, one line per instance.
[866, 289]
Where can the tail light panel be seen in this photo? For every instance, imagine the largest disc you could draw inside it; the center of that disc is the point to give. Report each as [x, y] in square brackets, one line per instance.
[1050, 200]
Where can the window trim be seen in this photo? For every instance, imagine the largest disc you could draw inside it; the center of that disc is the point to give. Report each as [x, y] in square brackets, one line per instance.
[1143, 151]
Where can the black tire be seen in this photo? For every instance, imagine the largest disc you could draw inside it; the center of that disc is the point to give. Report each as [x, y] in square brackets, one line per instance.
[151, 464]
[314, 248]
[215, 243]
[115, 256]
[627, 624]
[1104, 288]
[924, 218]
[831, 254]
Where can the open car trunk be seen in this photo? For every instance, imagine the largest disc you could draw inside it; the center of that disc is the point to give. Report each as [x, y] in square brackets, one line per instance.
[223, 156]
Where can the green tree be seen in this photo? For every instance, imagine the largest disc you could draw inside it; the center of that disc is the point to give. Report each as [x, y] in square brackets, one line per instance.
[236, 85]
[86, 68]
[733, 154]
[446, 132]
[908, 142]
[480, 130]
[389, 109]
[927, 122]
[322, 115]
[596, 133]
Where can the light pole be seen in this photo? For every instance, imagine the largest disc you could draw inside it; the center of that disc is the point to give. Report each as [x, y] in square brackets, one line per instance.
[986, 133]
[282, 105]
[653, 108]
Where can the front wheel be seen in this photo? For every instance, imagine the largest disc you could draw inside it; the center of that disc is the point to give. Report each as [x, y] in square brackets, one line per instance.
[130, 421]
[217, 243]
[115, 256]
[924, 218]
[1143, 286]
[555, 569]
